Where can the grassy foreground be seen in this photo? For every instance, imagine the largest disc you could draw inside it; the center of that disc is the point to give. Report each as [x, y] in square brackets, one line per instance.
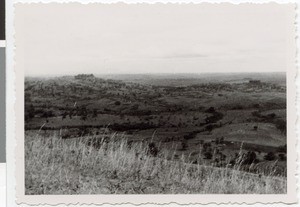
[77, 166]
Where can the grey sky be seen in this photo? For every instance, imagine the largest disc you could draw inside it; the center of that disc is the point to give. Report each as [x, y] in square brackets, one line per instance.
[118, 38]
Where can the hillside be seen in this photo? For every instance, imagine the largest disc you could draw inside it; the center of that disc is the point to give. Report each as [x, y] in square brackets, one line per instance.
[57, 166]
[207, 119]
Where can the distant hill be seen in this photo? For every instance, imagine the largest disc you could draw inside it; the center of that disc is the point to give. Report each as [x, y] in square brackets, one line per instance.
[181, 79]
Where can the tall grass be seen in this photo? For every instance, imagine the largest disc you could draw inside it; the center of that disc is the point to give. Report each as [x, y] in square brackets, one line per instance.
[75, 166]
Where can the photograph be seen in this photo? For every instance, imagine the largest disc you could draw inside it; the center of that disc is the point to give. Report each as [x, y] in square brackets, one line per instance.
[155, 99]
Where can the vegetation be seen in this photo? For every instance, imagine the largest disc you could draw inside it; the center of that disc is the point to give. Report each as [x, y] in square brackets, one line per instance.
[166, 126]
[75, 166]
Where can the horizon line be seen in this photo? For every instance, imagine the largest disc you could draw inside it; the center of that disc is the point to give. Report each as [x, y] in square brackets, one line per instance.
[106, 74]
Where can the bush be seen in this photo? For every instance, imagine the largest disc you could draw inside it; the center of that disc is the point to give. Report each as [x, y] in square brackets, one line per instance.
[282, 157]
[95, 113]
[47, 114]
[191, 135]
[282, 149]
[256, 106]
[184, 145]
[256, 113]
[207, 155]
[117, 103]
[237, 107]
[210, 110]
[30, 111]
[153, 150]
[222, 139]
[214, 118]
[206, 146]
[281, 125]
[210, 127]
[270, 156]
[271, 116]
[249, 158]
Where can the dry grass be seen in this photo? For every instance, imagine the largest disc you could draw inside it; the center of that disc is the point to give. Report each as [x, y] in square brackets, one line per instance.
[57, 166]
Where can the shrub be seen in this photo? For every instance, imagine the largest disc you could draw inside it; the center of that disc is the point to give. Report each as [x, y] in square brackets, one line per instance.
[152, 149]
[222, 139]
[30, 111]
[256, 106]
[237, 107]
[64, 115]
[281, 125]
[270, 156]
[256, 113]
[190, 135]
[282, 149]
[223, 157]
[207, 155]
[249, 158]
[117, 103]
[206, 146]
[210, 110]
[282, 157]
[184, 145]
[214, 118]
[210, 127]
[47, 114]
[95, 113]
[271, 116]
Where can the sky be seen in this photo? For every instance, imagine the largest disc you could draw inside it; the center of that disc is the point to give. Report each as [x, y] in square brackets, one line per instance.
[67, 39]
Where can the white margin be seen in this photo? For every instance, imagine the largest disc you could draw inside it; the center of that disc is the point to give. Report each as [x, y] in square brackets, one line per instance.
[10, 88]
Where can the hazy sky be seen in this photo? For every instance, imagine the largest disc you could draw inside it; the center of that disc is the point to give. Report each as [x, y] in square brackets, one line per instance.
[73, 38]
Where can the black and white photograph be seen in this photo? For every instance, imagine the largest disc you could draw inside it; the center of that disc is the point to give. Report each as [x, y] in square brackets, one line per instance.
[147, 99]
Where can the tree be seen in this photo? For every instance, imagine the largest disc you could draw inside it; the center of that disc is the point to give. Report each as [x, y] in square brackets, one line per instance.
[135, 107]
[256, 113]
[281, 125]
[95, 113]
[223, 157]
[153, 150]
[64, 115]
[249, 158]
[117, 103]
[210, 110]
[256, 106]
[70, 114]
[207, 155]
[31, 111]
[209, 128]
[271, 116]
[270, 156]
[282, 149]
[83, 113]
[206, 146]
[184, 145]
[83, 117]
[282, 157]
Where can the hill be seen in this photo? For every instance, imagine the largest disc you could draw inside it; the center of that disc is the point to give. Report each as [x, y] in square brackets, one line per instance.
[210, 119]
[57, 166]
